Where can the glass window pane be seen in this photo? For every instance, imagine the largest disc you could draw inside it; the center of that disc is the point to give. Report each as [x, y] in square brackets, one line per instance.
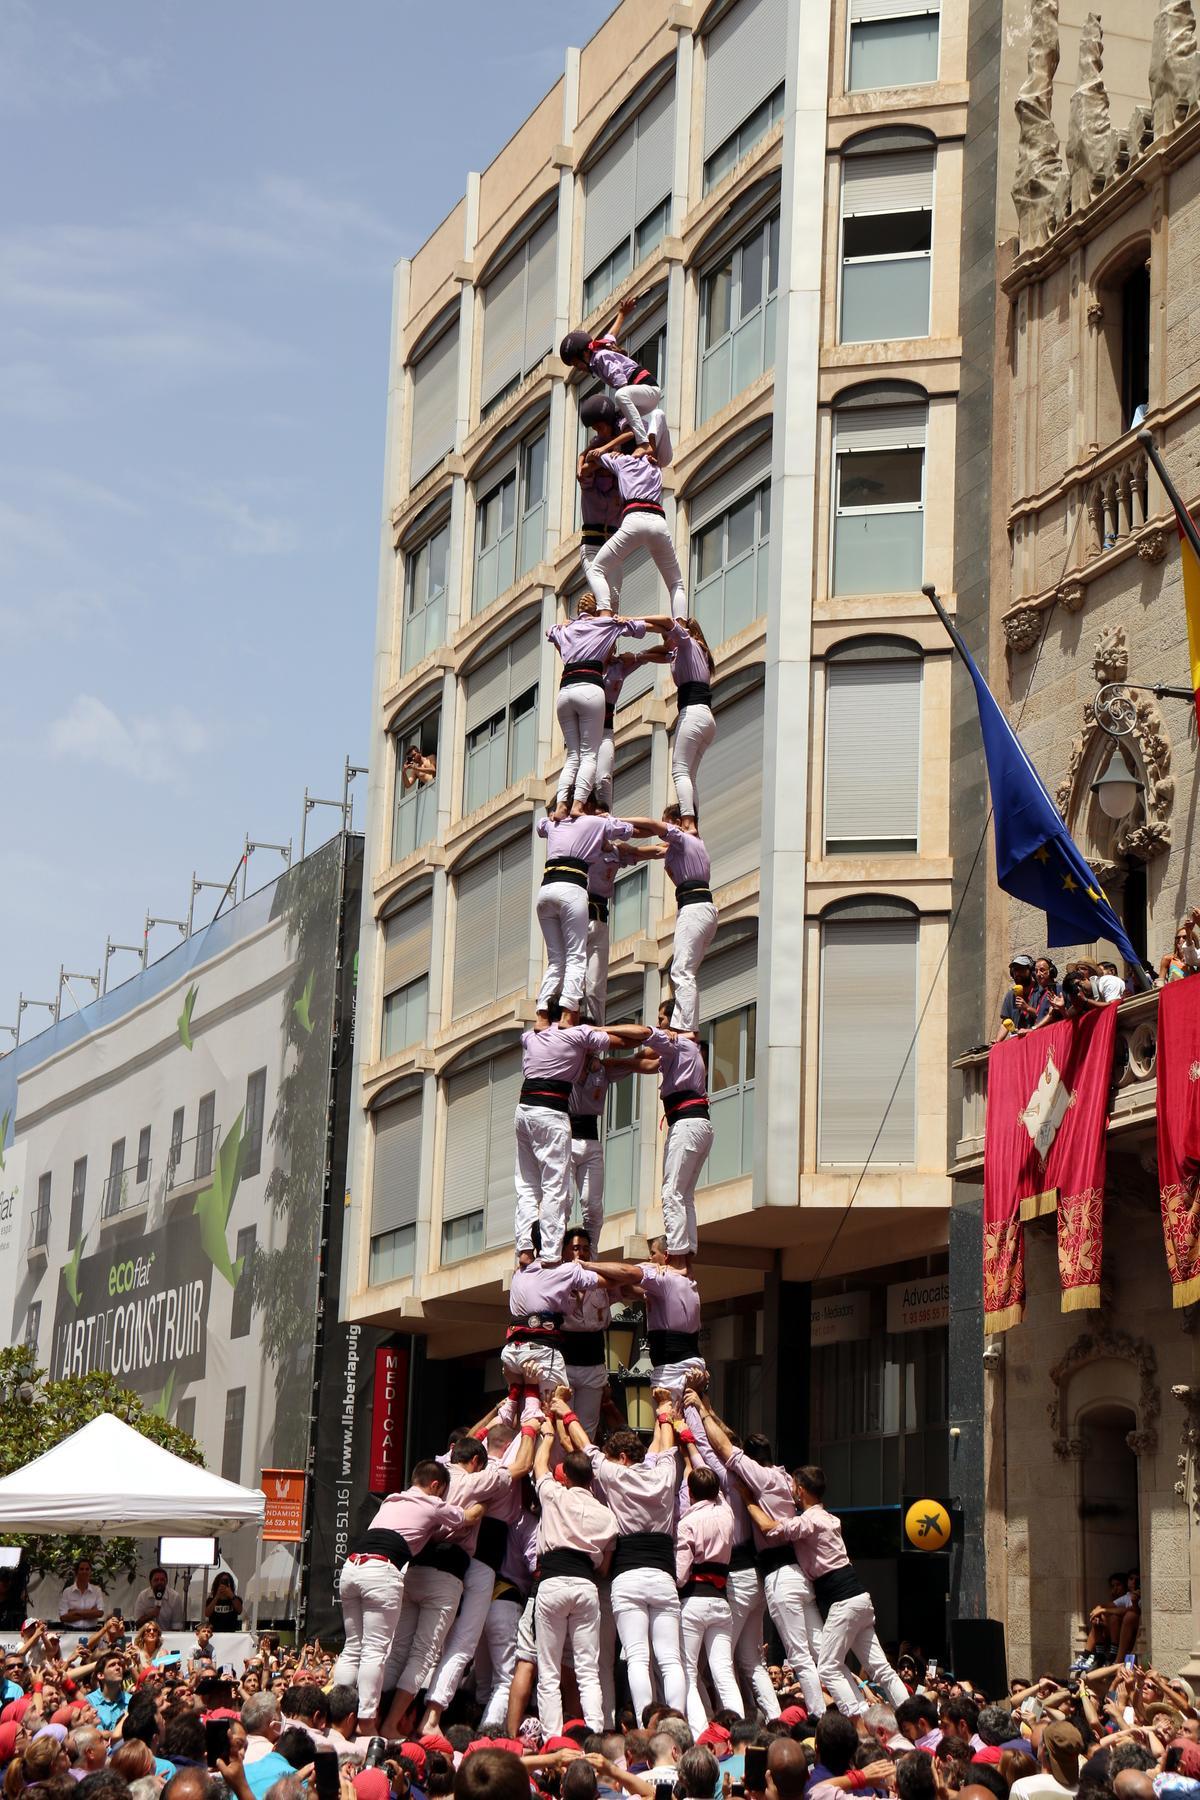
[764, 510]
[714, 381]
[506, 560]
[878, 553]
[709, 546]
[748, 362]
[620, 1167]
[880, 478]
[725, 1158]
[718, 297]
[725, 1053]
[740, 603]
[760, 592]
[486, 573]
[741, 528]
[532, 539]
[620, 263]
[462, 1237]
[769, 334]
[508, 503]
[747, 1131]
[751, 1028]
[885, 300]
[629, 905]
[597, 285]
[535, 473]
[652, 230]
[893, 52]
[418, 572]
[720, 162]
[706, 604]
[523, 736]
[439, 544]
[887, 234]
[773, 256]
[750, 297]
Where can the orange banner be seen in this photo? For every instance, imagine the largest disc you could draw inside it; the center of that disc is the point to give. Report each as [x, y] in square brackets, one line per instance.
[284, 1521]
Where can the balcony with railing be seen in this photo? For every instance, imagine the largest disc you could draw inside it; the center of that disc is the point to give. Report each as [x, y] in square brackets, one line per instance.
[1133, 1094]
[39, 1230]
[126, 1191]
[190, 1163]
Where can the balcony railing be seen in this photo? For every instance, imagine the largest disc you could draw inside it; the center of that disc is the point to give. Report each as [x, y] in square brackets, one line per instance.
[126, 1189]
[192, 1159]
[39, 1227]
[1134, 1081]
[1116, 503]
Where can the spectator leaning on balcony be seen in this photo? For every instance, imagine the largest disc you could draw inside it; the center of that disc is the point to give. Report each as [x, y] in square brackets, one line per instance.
[1184, 958]
[1015, 1006]
[1045, 990]
[418, 769]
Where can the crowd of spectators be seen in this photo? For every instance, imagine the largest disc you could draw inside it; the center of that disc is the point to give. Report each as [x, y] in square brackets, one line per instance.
[1035, 997]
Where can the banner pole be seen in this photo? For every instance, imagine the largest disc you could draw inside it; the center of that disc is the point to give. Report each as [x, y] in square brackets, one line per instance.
[257, 1582]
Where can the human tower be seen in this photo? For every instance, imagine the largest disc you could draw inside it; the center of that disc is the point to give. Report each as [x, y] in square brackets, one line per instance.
[549, 1531]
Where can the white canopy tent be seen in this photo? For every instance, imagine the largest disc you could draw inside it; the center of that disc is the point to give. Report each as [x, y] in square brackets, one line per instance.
[107, 1477]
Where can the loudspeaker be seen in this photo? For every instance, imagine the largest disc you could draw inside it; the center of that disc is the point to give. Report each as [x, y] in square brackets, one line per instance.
[977, 1652]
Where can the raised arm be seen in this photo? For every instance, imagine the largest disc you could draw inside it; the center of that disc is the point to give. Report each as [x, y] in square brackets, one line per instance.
[717, 1435]
[541, 1461]
[664, 1422]
[624, 311]
[560, 1406]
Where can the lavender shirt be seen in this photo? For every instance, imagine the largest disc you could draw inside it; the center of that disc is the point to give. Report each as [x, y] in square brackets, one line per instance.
[560, 1052]
[602, 873]
[590, 637]
[672, 1299]
[641, 1495]
[769, 1485]
[600, 499]
[638, 477]
[610, 364]
[730, 1489]
[539, 1290]
[590, 1091]
[420, 1518]
[593, 1312]
[686, 858]
[681, 1064]
[584, 837]
[617, 671]
[688, 659]
[573, 1519]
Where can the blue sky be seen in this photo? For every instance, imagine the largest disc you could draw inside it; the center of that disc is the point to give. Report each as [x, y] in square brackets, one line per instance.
[202, 210]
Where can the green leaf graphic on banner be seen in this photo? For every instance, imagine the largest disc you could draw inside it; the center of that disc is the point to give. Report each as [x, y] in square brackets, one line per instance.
[71, 1270]
[184, 1021]
[162, 1406]
[215, 1204]
[4, 1133]
[301, 1006]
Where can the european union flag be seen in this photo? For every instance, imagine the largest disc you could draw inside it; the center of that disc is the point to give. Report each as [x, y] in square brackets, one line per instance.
[1037, 859]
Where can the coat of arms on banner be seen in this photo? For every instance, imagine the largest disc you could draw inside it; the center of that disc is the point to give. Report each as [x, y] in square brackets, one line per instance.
[1046, 1108]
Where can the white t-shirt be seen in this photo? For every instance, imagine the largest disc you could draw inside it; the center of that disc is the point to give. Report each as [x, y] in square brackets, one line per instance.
[76, 1599]
[1110, 987]
[1041, 1786]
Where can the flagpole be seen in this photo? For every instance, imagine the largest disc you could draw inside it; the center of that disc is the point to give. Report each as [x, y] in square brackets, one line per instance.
[1186, 523]
[930, 593]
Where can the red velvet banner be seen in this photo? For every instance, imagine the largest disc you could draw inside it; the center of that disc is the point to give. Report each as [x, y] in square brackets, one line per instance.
[1045, 1150]
[1179, 1134]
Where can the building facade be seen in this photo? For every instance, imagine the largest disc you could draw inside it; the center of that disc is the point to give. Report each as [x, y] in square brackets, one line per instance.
[779, 182]
[1081, 1426]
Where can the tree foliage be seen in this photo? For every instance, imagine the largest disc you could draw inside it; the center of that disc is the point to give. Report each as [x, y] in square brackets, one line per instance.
[31, 1425]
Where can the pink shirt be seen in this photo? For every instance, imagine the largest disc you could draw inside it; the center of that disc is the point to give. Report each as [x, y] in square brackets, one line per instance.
[730, 1489]
[560, 1052]
[705, 1534]
[817, 1537]
[420, 1518]
[590, 1092]
[638, 477]
[688, 660]
[641, 1495]
[672, 1299]
[538, 1290]
[507, 1504]
[617, 671]
[592, 1311]
[681, 1063]
[573, 1519]
[686, 858]
[600, 498]
[483, 1489]
[590, 637]
[770, 1485]
[587, 836]
[610, 364]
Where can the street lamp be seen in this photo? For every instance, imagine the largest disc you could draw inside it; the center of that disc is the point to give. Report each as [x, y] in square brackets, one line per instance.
[1117, 788]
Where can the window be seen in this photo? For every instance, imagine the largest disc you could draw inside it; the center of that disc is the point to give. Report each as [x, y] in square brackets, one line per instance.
[396, 1188]
[176, 1150]
[407, 942]
[510, 522]
[893, 43]
[205, 1134]
[731, 787]
[728, 1018]
[33, 1324]
[629, 904]
[491, 938]
[730, 547]
[867, 1065]
[231, 1447]
[622, 1127]
[114, 1186]
[887, 227]
[743, 82]
[628, 206]
[78, 1196]
[434, 403]
[478, 1197]
[241, 1309]
[1135, 344]
[879, 499]
[425, 597]
[872, 749]
[40, 1234]
[414, 822]
[185, 1416]
[501, 719]
[143, 1156]
[518, 315]
[252, 1122]
[737, 318]
[879, 1413]
[633, 798]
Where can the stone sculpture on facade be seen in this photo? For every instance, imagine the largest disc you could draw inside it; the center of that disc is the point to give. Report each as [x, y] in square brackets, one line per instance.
[1091, 141]
[1040, 189]
[1173, 66]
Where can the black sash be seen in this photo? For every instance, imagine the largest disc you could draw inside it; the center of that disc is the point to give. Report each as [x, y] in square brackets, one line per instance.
[672, 1346]
[536, 1328]
[583, 1349]
[610, 717]
[585, 1126]
[543, 1090]
[838, 1584]
[743, 1555]
[642, 506]
[381, 1542]
[590, 672]
[573, 869]
[451, 1559]
[594, 534]
[692, 893]
[684, 1103]
[706, 1581]
[598, 908]
[567, 1562]
[775, 1556]
[644, 1550]
[693, 693]
[493, 1541]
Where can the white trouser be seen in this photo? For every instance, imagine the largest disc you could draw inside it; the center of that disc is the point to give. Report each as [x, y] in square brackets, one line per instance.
[595, 981]
[636, 403]
[608, 1657]
[688, 1144]
[552, 1370]
[677, 1376]
[587, 556]
[606, 762]
[465, 1633]
[638, 530]
[568, 1611]
[500, 1635]
[743, 1591]
[695, 730]
[849, 1630]
[706, 1626]
[587, 1383]
[562, 913]
[587, 1166]
[431, 1600]
[580, 712]
[543, 1178]
[645, 1608]
[695, 929]
[371, 1596]
[790, 1603]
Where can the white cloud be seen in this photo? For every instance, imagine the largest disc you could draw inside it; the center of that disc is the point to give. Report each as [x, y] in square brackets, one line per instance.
[250, 533]
[145, 746]
[47, 61]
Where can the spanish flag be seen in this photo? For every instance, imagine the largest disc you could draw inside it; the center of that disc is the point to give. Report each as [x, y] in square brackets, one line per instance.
[1189, 550]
